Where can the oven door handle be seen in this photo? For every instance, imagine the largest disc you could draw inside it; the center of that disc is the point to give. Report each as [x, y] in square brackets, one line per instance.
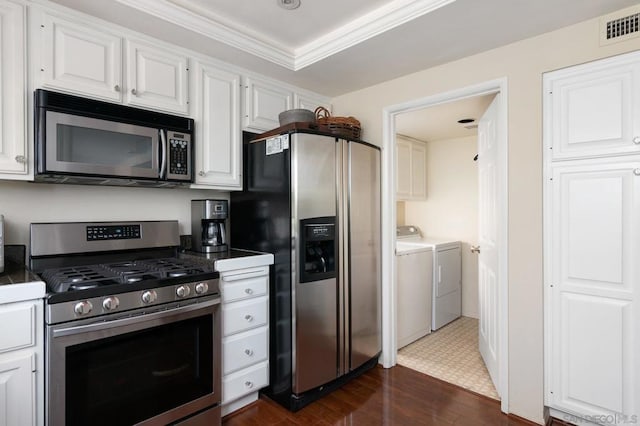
[106, 325]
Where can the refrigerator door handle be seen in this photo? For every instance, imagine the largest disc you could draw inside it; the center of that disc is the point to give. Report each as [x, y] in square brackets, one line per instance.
[342, 357]
[346, 250]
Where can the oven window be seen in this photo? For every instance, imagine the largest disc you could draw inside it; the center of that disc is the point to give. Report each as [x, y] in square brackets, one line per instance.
[132, 377]
[110, 148]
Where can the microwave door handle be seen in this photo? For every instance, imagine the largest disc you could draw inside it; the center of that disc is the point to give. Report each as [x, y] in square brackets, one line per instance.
[163, 150]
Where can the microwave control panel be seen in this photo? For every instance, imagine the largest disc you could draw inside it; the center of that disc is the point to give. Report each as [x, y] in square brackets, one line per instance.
[179, 156]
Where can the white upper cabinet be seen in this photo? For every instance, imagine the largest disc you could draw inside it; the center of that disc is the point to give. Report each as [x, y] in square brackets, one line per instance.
[310, 102]
[411, 170]
[89, 60]
[596, 110]
[264, 101]
[218, 141]
[13, 140]
[156, 78]
[80, 59]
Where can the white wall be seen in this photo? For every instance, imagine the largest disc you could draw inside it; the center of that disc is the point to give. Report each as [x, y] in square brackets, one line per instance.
[24, 202]
[451, 208]
[523, 64]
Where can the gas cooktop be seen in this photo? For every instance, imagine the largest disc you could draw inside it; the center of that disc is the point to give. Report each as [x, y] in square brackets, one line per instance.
[94, 269]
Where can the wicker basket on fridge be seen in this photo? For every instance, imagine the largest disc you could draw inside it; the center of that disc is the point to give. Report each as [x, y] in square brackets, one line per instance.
[347, 127]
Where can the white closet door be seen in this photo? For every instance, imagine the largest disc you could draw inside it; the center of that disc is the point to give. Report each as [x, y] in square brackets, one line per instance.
[596, 110]
[595, 276]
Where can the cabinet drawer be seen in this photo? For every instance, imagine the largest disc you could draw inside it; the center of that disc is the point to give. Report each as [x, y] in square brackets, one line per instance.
[244, 349]
[244, 315]
[21, 334]
[244, 382]
[244, 289]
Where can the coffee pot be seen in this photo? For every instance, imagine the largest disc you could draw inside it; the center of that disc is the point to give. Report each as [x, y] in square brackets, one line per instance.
[208, 225]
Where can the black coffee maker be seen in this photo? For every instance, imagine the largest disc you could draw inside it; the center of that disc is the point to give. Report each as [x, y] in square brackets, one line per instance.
[208, 225]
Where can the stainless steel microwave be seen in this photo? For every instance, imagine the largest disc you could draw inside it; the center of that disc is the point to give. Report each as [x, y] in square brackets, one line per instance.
[79, 140]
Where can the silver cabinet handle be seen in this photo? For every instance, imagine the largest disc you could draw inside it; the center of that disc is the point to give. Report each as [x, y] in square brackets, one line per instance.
[248, 384]
[636, 140]
[249, 318]
[636, 172]
[475, 249]
[249, 352]
[201, 173]
[134, 92]
[21, 159]
[116, 88]
[248, 291]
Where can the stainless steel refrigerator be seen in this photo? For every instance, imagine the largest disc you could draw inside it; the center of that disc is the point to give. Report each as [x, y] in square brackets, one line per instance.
[313, 200]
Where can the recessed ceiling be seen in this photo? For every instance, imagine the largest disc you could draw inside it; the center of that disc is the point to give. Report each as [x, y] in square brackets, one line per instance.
[334, 46]
[440, 122]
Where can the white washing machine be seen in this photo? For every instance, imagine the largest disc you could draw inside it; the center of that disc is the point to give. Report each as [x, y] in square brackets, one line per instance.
[447, 274]
[414, 274]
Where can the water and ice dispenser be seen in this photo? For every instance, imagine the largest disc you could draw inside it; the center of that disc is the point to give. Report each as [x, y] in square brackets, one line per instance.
[318, 239]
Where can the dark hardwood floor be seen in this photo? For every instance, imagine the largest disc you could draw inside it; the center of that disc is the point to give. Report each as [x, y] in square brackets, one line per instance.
[395, 396]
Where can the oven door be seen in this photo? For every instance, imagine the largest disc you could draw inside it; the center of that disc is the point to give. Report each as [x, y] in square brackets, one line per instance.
[152, 369]
[88, 146]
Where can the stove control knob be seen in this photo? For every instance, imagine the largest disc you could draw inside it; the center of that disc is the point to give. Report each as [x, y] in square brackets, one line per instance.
[110, 303]
[83, 308]
[202, 288]
[183, 291]
[149, 296]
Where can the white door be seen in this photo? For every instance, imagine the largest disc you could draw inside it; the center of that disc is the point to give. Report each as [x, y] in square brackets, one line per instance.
[13, 143]
[80, 59]
[17, 390]
[218, 144]
[595, 240]
[489, 198]
[264, 102]
[156, 78]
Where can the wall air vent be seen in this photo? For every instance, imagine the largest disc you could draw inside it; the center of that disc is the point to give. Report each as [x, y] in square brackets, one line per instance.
[621, 26]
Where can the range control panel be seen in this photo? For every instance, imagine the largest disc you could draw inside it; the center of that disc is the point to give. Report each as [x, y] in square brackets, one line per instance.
[113, 232]
[179, 154]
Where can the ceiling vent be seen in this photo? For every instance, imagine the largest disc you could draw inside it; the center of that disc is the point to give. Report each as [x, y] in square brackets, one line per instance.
[621, 26]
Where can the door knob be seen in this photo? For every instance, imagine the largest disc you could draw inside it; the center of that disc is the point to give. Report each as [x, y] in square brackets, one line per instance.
[134, 92]
[116, 88]
[21, 159]
[475, 249]
[636, 172]
[636, 140]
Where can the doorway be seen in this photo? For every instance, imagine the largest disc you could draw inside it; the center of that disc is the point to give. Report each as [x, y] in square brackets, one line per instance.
[390, 220]
[440, 199]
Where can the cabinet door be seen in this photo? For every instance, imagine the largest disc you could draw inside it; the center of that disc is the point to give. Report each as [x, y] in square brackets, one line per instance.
[595, 110]
[156, 78]
[418, 171]
[17, 390]
[306, 101]
[264, 101]
[595, 273]
[13, 142]
[403, 169]
[218, 143]
[81, 60]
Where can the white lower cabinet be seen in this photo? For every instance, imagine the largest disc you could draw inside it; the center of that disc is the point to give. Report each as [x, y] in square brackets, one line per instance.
[245, 342]
[21, 372]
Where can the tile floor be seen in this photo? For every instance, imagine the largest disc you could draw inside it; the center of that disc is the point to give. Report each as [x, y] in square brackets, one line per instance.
[451, 354]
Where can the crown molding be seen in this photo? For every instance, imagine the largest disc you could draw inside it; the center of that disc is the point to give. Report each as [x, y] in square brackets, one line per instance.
[363, 28]
[215, 30]
[185, 14]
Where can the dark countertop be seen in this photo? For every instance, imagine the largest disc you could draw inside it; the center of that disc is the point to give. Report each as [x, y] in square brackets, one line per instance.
[16, 274]
[17, 282]
[231, 259]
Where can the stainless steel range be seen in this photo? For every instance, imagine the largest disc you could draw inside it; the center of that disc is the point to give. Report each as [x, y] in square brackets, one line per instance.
[132, 331]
